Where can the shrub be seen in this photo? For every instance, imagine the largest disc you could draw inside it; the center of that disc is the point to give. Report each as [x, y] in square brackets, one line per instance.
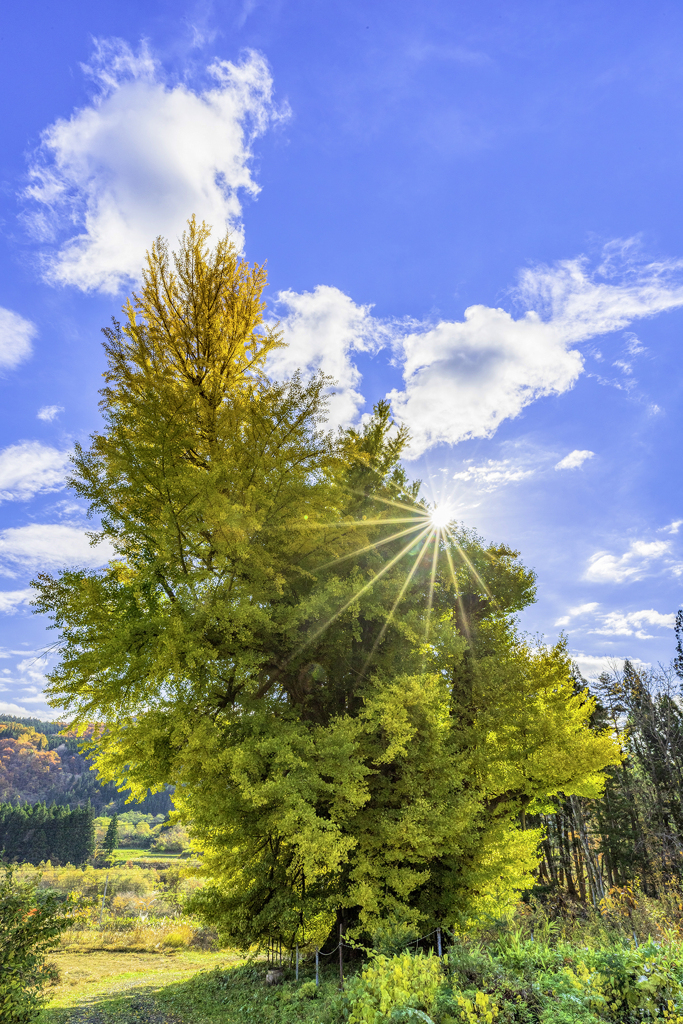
[390, 983]
[31, 921]
[309, 990]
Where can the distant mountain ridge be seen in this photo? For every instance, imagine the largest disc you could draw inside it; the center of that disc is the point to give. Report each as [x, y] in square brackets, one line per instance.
[42, 762]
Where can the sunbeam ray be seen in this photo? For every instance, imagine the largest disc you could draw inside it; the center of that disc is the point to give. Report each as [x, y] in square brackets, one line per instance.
[404, 551]
[397, 602]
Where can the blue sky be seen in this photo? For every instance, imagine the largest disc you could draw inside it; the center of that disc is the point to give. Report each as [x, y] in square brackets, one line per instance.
[471, 208]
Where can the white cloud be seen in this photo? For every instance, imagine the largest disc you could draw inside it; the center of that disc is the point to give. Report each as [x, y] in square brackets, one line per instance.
[17, 711]
[583, 305]
[32, 673]
[633, 345]
[11, 600]
[574, 460]
[635, 563]
[48, 413]
[16, 335]
[592, 665]
[631, 623]
[49, 546]
[29, 468]
[672, 527]
[141, 159]
[494, 473]
[463, 378]
[323, 328]
[573, 613]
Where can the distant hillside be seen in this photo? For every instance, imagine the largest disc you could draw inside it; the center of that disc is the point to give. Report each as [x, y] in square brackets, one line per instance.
[38, 764]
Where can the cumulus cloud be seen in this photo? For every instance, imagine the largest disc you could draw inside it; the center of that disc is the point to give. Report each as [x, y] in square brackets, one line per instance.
[493, 474]
[618, 623]
[322, 330]
[632, 623]
[12, 600]
[463, 378]
[49, 546]
[604, 567]
[48, 413]
[140, 159]
[574, 460]
[29, 468]
[16, 336]
[672, 527]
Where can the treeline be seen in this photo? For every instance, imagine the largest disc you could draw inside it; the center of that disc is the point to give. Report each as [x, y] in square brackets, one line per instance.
[634, 832]
[35, 833]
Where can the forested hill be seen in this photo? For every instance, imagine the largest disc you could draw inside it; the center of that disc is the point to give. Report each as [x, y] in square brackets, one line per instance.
[37, 764]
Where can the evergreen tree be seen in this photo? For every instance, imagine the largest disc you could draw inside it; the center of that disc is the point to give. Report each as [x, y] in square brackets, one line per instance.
[112, 836]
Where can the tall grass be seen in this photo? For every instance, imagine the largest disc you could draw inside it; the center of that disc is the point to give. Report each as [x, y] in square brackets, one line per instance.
[143, 908]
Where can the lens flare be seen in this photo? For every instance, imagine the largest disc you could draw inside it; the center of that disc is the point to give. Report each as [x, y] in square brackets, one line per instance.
[441, 516]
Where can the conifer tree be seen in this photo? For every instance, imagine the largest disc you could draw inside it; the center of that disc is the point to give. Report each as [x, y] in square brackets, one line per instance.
[112, 836]
[334, 683]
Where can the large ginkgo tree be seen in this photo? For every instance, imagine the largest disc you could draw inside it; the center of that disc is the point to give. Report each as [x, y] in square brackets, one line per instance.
[326, 669]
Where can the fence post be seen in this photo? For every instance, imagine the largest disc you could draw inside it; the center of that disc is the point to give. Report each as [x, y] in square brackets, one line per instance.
[341, 956]
[438, 941]
[297, 961]
[317, 954]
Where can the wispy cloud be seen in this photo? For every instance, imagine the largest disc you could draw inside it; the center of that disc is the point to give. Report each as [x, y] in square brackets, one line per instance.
[48, 546]
[16, 337]
[19, 711]
[140, 159]
[574, 460]
[48, 413]
[12, 600]
[323, 329]
[29, 468]
[490, 475]
[673, 527]
[634, 564]
[578, 610]
[593, 665]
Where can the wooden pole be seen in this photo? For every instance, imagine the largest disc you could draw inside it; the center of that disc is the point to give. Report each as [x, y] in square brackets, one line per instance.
[341, 956]
[438, 941]
[297, 961]
[317, 981]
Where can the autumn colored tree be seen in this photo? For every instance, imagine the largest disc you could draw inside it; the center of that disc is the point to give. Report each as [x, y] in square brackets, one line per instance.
[27, 768]
[327, 670]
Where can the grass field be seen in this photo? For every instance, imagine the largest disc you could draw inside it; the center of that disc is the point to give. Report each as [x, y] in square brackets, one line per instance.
[181, 988]
[108, 985]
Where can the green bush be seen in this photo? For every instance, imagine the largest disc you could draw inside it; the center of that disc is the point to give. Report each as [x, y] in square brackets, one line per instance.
[309, 990]
[31, 920]
[389, 984]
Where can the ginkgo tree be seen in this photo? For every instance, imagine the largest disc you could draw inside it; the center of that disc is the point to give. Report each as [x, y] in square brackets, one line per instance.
[327, 669]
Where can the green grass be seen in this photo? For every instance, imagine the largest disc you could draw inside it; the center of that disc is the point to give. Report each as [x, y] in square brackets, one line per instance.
[123, 854]
[183, 988]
